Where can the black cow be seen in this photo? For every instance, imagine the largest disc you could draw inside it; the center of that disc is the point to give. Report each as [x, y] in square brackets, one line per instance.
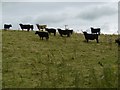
[90, 36]
[64, 32]
[6, 26]
[117, 41]
[95, 31]
[71, 31]
[42, 34]
[51, 30]
[28, 27]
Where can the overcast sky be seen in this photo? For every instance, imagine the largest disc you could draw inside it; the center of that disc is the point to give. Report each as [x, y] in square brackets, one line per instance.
[77, 15]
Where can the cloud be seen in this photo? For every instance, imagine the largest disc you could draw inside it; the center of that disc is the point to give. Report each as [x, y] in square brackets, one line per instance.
[60, 0]
[55, 17]
[97, 12]
[50, 18]
[27, 19]
[78, 15]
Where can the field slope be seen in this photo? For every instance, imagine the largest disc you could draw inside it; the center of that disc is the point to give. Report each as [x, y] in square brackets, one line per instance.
[60, 62]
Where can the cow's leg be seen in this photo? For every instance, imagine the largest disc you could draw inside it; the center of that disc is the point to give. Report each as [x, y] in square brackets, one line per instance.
[42, 38]
[68, 35]
[47, 38]
[97, 40]
[28, 30]
[54, 34]
[119, 43]
[87, 40]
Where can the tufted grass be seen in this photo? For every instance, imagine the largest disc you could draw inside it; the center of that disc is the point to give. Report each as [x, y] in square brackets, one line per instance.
[0, 59]
[60, 62]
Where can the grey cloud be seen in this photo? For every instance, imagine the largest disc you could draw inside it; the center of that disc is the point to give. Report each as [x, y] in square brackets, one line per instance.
[60, 0]
[97, 12]
[55, 17]
[47, 20]
[27, 19]
[77, 15]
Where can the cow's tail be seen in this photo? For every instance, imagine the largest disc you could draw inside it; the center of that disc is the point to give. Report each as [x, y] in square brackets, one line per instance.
[98, 33]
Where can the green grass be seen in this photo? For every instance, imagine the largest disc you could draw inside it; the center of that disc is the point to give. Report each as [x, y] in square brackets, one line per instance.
[60, 62]
[0, 59]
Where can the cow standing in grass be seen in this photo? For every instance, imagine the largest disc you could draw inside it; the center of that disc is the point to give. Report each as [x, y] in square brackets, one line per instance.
[28, 27]
[51, 30]
[7, 26]
[71, 31]
[42, 34]
[117, 41]
[91, 36]
[41, 27]
[95, 31]
[64, 32]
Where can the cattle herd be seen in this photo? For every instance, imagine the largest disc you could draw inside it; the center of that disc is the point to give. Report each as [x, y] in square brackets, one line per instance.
[44, 32]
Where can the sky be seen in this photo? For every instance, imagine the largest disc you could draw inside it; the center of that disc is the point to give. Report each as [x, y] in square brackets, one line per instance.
[78, 15]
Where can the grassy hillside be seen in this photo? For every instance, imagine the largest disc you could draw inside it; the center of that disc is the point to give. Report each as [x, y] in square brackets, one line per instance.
[0, 59]
[61, 62]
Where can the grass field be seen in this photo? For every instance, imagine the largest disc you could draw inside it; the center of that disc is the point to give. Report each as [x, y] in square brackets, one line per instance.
[60, 62]
[0, 59]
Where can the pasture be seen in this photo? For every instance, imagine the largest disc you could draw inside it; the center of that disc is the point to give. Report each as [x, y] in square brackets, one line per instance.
[60, 62]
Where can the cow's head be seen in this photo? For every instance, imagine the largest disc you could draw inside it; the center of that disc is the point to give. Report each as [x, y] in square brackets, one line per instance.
[84, 33]
[20, 24]
[91, 27]
[10, 25]
[36, 32]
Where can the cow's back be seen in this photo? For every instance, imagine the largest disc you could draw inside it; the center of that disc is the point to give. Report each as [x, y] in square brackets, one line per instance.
[96, 30]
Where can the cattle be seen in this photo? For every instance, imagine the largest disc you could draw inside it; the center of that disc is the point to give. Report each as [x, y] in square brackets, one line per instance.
[27, 26]
[41, 27]
[64, 32]
[38, 26]
[90, 36]
[71, 31]
[7, 26]
[117, 41]
[42, 34]
[51, 30]
[95, 31]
